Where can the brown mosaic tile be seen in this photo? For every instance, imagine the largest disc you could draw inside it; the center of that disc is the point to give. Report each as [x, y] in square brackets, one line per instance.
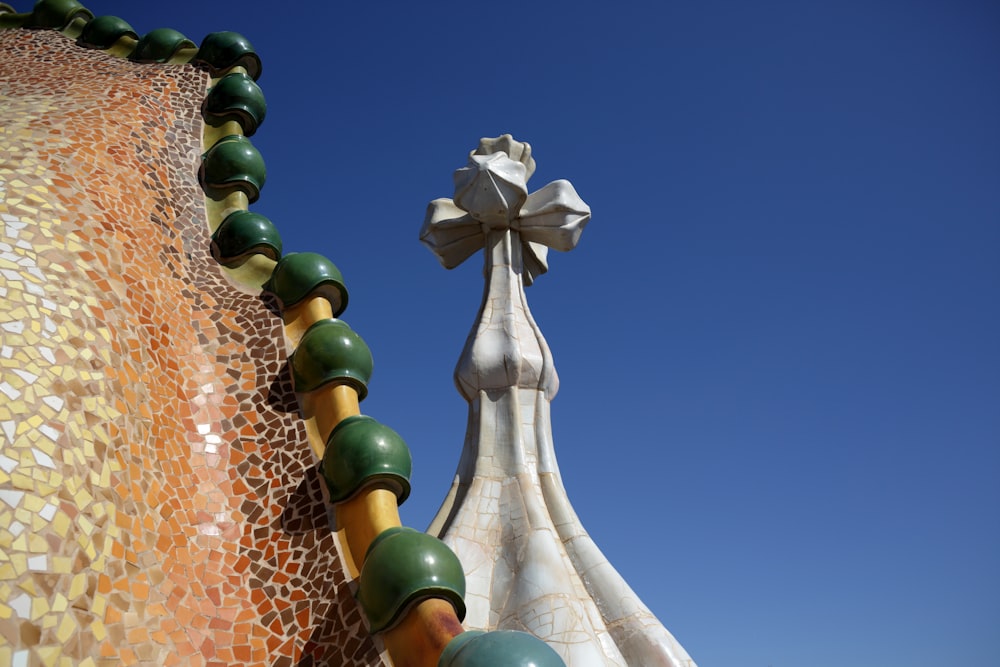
[158, 499]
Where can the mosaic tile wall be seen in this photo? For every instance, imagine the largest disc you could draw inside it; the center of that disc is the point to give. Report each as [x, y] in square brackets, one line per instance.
[158, 499]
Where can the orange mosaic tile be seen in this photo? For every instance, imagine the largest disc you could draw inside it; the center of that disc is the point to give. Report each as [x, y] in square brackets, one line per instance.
[159, 502]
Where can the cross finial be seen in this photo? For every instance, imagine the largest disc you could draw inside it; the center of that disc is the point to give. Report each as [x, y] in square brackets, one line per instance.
[491, 193]
[529, 562]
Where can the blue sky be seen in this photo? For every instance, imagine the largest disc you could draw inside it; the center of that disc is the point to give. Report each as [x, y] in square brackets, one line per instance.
[778, 337]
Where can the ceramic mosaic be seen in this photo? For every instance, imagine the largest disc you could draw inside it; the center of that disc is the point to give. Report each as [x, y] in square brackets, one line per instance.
[530, 564]
[159, 503]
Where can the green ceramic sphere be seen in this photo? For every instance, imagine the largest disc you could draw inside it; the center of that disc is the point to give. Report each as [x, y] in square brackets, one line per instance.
[158, 46]
[233, 164]
[500, 648]
[222, 50]
[403, 567]
[243, 234]
[300, 275]
[455, 646]
[360, 453]
[104, 31]
[331, 352]
[56, 13]
[236, 96]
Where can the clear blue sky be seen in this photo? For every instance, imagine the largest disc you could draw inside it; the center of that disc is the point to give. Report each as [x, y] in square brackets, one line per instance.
[779, 337]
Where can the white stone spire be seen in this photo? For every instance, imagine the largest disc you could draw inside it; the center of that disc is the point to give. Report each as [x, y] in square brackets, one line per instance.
[529, 563]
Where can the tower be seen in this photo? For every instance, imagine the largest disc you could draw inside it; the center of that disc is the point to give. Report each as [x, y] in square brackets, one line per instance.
[530, 565]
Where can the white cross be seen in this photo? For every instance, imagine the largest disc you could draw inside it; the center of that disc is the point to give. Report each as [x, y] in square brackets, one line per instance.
[491, 193]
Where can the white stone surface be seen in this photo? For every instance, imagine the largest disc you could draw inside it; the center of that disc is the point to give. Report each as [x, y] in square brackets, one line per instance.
[529, 563]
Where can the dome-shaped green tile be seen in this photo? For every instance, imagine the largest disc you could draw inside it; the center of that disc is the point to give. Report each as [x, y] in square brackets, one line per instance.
[236, 97]
[233, 164]
[222, 50]
[303, 274]
[242, 234]
[104, 31]
[56, 13]
[361, 452]
[158, 46]
[500, 648]
[403, 567]
[331, 352]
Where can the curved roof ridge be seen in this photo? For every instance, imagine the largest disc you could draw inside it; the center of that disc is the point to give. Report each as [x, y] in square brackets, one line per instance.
[410, 591]
[218, 51]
